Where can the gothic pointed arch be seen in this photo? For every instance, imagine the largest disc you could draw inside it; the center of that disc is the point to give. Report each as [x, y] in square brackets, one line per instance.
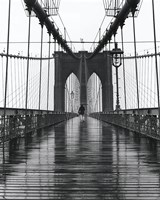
[72, 94]
[83, 68]
[94, 93]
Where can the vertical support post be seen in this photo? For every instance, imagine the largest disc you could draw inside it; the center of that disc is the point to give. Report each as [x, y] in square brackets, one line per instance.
[117, 91]
[6, 79]
[27, 78]
[116, 56]
[40, 77]
[124, 76]
[135, 54]
[49, 52]
[156, 63]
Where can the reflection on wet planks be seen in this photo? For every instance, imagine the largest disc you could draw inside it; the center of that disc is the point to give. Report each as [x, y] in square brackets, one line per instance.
[81, 160]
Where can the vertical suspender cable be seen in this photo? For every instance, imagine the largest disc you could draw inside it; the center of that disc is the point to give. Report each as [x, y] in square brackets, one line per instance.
[29, 27]
[95, 94]
[24, 85]
[6, 78]
[30, 85]
[8, 85]
[49, 52]
[2, 76]
[40, 76]
[151, 83]
[21, 82]
[69, 93]
[159, 60]
[135, 54]
[141, 91]
[116, 74]
[145, 63]
[156, 64]
[65, 109]
[54, 71]
[15, 81]
[134, 100]
[18, 81]
[124, 75]
[99, 98]
[148, 82]
[70, 90]
[27, 75]
[11, 83]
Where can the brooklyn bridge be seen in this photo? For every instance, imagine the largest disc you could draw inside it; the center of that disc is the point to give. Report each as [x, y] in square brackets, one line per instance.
[58, 55]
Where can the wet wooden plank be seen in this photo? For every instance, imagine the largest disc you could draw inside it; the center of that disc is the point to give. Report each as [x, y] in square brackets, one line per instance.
[81, 160]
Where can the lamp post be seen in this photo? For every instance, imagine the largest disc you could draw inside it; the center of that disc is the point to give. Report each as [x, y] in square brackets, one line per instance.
[116, 58]
[72, 97]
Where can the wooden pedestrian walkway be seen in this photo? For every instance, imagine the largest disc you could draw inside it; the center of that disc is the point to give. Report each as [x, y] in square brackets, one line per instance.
[78, 160]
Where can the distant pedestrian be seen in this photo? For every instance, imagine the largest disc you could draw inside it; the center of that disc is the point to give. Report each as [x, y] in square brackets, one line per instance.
[81, 112]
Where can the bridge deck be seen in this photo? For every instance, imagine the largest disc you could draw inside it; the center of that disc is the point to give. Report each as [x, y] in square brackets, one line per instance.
[81, 160]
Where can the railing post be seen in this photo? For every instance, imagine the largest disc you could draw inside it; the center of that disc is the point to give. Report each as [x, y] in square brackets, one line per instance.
[135, 54]
[124, 76]
[6, 79]
[49, 52]
[136, 67]
[40, 77]
[156, 64]
[27, 78]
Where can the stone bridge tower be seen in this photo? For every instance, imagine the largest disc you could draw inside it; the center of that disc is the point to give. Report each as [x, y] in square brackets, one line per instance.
[83, 68]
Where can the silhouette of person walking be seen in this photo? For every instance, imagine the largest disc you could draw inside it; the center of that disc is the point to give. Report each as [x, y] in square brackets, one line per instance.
[81, 112]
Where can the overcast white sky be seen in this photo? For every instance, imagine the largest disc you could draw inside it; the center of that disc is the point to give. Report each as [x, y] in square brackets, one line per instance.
[82, 18]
